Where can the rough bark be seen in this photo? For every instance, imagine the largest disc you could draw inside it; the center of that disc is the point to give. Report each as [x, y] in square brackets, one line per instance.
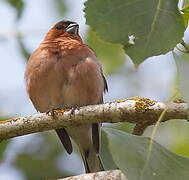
[103, 175]
[141, 111]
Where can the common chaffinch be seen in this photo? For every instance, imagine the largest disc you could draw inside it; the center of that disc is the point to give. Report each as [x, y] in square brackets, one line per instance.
[63, 72]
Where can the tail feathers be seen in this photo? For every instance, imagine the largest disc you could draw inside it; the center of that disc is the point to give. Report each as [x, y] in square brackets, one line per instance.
[82, 135]
[92, 161]
[65, 139]
[96, 136]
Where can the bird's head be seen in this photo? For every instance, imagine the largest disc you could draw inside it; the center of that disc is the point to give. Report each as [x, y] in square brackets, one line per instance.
[64, 28]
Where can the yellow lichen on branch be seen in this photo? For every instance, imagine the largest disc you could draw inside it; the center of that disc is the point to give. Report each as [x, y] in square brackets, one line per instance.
[141, 111]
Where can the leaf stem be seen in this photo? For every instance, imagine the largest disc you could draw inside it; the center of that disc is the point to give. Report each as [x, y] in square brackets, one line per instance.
[186, 46]
[154, 133]
[181, 50]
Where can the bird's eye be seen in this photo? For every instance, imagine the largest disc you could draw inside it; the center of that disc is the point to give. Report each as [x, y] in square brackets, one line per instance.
[60, 27]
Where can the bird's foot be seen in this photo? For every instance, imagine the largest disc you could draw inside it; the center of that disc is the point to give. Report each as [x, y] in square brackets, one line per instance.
[73, 109]
[53, 112]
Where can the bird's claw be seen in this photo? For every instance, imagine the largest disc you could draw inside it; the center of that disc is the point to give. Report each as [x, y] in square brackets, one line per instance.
[73, 110]
[52, 112]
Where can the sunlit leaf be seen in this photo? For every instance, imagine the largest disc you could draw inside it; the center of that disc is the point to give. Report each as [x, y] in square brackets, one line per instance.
[185, 9]
[179, 133]
[185, 18]
[186, 3]
[131, 154]
[156, 26]
[111, 55]
[185, 15]
[18, 5]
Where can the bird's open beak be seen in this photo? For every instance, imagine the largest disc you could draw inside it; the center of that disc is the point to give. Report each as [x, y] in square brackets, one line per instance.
[73, 28]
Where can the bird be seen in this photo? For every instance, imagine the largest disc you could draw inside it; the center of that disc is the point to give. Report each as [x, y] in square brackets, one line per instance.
[64, 72]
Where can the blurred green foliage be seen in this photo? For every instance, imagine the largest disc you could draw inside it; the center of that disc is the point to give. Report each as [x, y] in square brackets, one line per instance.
[186, 3]
[18, 5]
[23, 50]
[38, 168]
[110, 55]
[41, 162]
[61, 6]
[180, 131]
[3, 147]
[182, 62]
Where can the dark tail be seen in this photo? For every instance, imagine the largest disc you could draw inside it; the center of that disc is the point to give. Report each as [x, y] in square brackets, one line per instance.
[65, 139]
[88, 144]
[92, 161]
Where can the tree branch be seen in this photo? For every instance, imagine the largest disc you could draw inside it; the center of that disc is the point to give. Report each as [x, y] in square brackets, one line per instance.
[141, 111]
[103, 175]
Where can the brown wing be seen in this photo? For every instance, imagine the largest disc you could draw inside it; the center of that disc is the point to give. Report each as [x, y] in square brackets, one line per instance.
[96, 133]
[105, 86]
[37, 69]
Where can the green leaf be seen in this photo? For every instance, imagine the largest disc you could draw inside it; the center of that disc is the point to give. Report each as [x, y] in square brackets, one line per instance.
[131, 154]
[3, 146]
[111, 55]
[185, 18]
[179, 133]
[185, 15]
[156, 25]
[18, 5]
[107, 160]
[185, 9]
